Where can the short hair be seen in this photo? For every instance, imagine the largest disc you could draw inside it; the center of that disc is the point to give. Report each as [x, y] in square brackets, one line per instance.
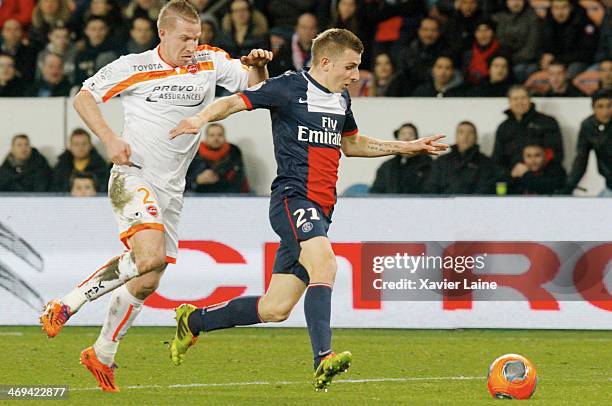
[533, 143]
[488, 22]
[444, 56]
[557, 62]
[335, 40]
[215, 125]
[500, 55]
[177, 9]
[133, 21]
[18, 136]
[95, 18]
[435, 20]
[601, 94]
[515, 88]
[80, 131]
[83, 175]
[409, 125]
[469, 123]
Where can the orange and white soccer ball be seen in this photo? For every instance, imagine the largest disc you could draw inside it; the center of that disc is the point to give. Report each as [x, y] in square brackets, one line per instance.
[512, 376]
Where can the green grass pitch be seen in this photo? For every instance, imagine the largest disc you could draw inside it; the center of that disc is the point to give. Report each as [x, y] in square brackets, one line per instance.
[274, 366]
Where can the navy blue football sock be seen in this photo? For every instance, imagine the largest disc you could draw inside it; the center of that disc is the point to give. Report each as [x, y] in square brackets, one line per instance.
[317, 308]
[241, 311]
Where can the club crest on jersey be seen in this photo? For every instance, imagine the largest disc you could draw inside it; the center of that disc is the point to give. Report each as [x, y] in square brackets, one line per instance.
[307, 227]
[152, 210]
[193, 69]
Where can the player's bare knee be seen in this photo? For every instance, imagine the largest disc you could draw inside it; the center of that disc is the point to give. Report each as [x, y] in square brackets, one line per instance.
[149, 263]
[324, 270]
[146, 288]
[274, 312]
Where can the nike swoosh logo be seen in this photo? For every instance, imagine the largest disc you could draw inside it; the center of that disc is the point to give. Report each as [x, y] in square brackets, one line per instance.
[322, 353]
[300, 100]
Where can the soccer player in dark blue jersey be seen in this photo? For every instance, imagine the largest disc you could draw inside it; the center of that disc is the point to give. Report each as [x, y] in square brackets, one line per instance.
[312, 123]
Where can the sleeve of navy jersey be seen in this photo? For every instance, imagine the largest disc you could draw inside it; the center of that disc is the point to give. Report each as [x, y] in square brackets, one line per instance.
[350, 125]
[270, 94]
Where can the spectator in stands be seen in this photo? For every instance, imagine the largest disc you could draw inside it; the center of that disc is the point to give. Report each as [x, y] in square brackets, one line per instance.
[24, 169]
[244, 29]
[518, 30]
[10, 84]
[209, 29]
[464, 170]
[148, 9]
[80, 156]
[476, 60]
[98, 50]
[419, 56]
[59, 44]
[142, 36]
[605, 75]
[387, 81]
[218, 166]
[498, 83]
[13, 43]
[110, 12]
[604, 49]
[536, 175]
[461, 25]
[595, 134]
[20, 10]
[47, 14]
[348, 14]
[53, 82]
[295, 54]
[441, 82]
[524, 124]
[82, 184]
[540, 8]
[590, 81]
[568, 36]
[403, 174]
[559, 84]
[285, 14]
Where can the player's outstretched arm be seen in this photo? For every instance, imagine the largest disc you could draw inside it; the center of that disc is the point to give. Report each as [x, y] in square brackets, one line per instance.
[118, 151]
[363, 146]
[216, 111]
[257, 60]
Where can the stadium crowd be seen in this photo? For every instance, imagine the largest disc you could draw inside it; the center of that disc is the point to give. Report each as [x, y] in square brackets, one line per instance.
[413, 48]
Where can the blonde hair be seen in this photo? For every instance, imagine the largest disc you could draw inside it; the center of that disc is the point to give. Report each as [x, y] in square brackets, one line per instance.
[333, 42]
[177, 9]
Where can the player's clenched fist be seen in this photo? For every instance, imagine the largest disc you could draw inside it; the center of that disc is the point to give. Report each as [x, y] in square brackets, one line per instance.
[118, 151]
[426, 145]
[190, 125]
[257, 57]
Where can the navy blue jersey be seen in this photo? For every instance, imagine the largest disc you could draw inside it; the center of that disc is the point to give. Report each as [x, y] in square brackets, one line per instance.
[308, 123]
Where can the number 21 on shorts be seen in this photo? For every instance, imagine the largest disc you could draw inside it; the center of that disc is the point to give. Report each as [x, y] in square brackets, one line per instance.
[300, 213]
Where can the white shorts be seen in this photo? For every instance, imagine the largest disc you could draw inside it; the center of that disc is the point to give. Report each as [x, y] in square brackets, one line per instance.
[138, 205]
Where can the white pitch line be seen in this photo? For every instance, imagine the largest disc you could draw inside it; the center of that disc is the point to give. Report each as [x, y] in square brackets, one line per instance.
[11, 333]
[254, 383]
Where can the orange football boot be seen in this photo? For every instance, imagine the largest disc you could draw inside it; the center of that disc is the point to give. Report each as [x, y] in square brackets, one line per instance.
[54, 316]
[104, 374]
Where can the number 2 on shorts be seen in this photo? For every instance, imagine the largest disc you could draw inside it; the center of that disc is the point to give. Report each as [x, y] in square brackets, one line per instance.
[147, 193]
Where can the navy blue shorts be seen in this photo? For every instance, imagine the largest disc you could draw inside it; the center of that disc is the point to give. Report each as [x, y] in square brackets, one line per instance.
[295, 219]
